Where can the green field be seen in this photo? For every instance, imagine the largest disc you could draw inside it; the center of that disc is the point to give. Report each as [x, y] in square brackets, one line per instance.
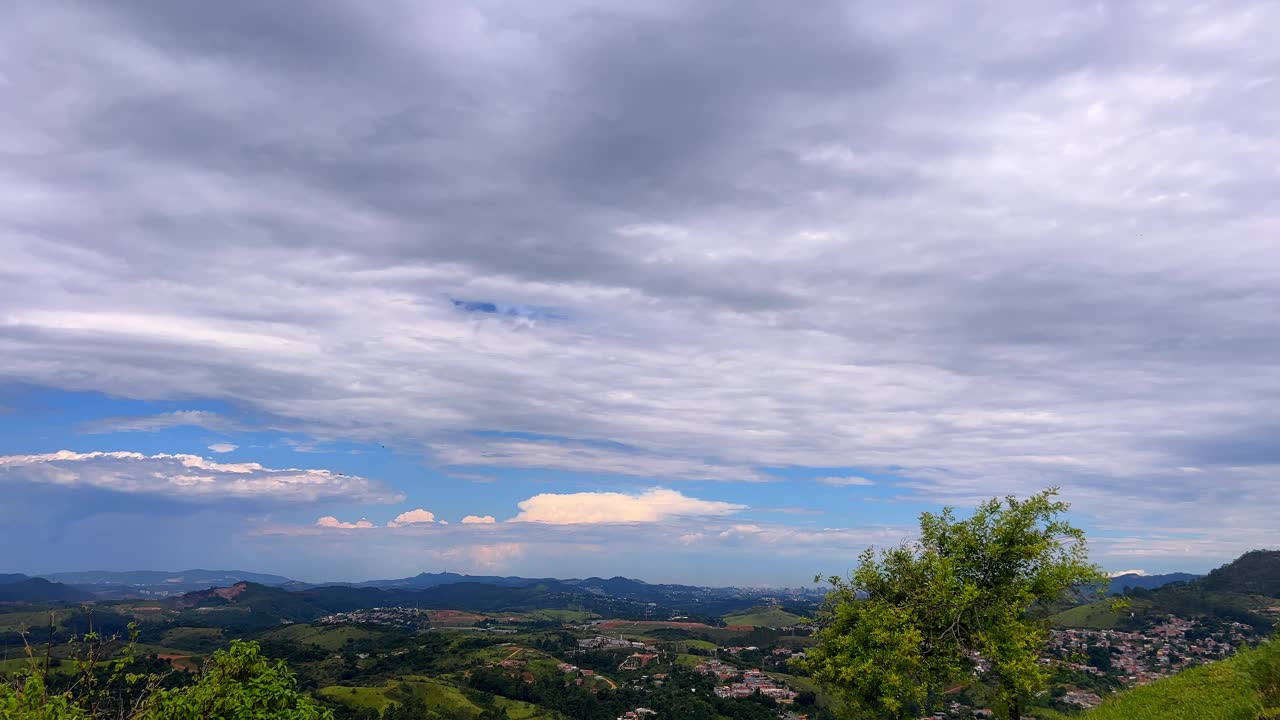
[439, 696]
[689, 660]
[1226, 690]
[359, 698]
[194, 638]
[327, 637]
[699, 644]
[1096, 615]
[517, 710]
[31, 620]
[773, 617]
[561, 616]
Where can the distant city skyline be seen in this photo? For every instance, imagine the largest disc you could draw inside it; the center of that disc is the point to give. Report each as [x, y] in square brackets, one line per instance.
[701, 292]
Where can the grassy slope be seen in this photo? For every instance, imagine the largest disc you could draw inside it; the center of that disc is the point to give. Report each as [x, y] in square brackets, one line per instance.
[327, 637]
[357, 697]
[1097, 615]
[764, 617]
[438, 696]
[1221, 691]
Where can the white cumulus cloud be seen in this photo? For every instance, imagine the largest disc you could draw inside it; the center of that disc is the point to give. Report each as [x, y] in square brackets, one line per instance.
[652, 505]
[478, 520]
[413, 517]
[329, 521]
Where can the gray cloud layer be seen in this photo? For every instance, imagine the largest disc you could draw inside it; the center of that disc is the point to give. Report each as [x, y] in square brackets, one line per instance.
[994, 245]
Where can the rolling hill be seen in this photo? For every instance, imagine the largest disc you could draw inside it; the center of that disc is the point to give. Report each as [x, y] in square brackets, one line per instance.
[771, 616]
[1254, 573]
[1246, 590]
[39, 590]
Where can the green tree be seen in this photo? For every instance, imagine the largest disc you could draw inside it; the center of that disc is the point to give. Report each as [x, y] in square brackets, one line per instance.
[911, 618]
[237, 684]
[31, 701]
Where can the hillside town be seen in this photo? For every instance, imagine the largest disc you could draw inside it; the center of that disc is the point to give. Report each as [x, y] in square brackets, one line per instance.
[744, 683]
[1137, 658]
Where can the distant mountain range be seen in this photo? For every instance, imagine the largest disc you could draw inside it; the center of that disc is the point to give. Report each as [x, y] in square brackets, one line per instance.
[159, 583]
[1256, 573]
[615, 595]
[162, 581]
[1120, 584]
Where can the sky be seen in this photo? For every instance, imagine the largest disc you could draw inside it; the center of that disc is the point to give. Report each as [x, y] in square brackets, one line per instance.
[700, 291]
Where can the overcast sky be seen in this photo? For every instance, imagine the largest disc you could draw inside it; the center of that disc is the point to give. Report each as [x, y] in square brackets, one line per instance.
[715, 292]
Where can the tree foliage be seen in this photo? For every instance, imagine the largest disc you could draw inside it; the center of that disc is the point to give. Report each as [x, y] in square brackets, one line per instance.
[32, 701]
[237, 683]
[910, 619]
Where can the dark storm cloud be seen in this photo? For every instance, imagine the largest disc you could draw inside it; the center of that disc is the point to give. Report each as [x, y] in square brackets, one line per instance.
[990, 245]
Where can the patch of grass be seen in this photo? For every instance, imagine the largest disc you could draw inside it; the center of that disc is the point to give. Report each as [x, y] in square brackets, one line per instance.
[698, 644]
[517, 710]
[35, 621]
[774, 617]
[357, 697]
[194, 638]
[690, 660]
[562, 616]
[145, 649]
[327, 637]
[1098, 615]
[12, 666]
[440, 697]
[444, 699]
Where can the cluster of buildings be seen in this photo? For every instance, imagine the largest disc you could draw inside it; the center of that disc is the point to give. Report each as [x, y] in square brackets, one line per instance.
[1141, 657]
[606, 642]
[402, 616]
[640, 713]
[1152, 654]
[752, 681]
[579, 673]
[720, 670]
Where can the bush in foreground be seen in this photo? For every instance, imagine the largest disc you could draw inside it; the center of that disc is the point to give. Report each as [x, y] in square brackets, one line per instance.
[237, 683]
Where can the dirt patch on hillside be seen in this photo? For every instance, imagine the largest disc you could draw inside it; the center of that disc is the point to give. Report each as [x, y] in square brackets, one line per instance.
[454, 617]
[230, 593]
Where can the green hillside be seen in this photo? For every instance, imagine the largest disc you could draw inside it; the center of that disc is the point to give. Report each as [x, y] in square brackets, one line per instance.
[773, 616]
[1099, 615]
[1255, 573]
[438, 696]
[1235, 689]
